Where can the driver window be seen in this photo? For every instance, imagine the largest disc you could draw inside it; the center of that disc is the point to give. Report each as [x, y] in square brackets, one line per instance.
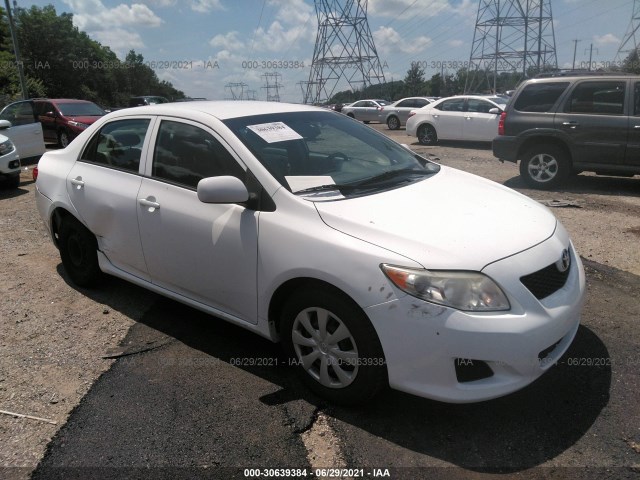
[185, 154]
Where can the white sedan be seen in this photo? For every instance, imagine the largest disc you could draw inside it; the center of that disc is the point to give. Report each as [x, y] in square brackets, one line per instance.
[309, 228]
[465, 117]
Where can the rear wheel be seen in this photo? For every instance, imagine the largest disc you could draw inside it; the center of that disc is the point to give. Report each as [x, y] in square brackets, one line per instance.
[427, 135]
[334, 346]
[393, 123]
[78, 251]
[63, 139]
[544, 167]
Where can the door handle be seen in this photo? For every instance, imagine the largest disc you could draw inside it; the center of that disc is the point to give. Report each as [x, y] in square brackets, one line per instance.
[149, 203]
[435, 116]
[467, 118]
[637, 127]
[570, 124]
[77, 182]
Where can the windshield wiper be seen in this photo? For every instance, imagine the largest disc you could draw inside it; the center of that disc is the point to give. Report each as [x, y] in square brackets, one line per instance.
[327, 187]
[390, 174]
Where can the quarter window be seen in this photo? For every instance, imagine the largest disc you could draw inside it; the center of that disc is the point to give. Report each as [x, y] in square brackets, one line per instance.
[603, 98]
[118, 145]
[185, 154]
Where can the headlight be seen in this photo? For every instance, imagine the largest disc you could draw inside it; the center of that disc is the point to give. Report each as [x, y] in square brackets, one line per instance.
[6, 147]
[78, 124]
[468, 291]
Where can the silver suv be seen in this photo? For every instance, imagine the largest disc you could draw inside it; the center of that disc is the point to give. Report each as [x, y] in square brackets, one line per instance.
[563, 125]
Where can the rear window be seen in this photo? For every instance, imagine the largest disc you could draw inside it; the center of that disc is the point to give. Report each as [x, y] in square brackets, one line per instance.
[539, 97]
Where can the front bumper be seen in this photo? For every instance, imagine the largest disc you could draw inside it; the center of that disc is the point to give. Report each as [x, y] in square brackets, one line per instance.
[10, 163]
[426, 344]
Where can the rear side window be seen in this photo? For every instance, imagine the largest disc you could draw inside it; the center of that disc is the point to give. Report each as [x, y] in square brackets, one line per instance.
[118, 145]
[539, 97]
[599, 98]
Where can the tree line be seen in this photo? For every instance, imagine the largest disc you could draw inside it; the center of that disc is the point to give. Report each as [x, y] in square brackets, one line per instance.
[60, 61]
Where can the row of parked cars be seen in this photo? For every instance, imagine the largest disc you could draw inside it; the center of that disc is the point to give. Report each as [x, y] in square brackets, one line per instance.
[27, 125]
[555, 126]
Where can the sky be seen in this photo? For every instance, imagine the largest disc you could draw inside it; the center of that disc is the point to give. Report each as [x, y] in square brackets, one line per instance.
[201, 46]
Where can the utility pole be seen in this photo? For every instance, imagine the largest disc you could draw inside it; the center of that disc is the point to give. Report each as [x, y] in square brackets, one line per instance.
[16, 49]
[575, 47]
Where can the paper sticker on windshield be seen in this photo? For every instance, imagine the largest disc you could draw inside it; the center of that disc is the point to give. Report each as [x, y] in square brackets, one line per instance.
[275, 132]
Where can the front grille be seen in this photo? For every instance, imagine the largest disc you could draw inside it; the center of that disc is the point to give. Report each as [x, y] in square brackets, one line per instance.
[546, 281]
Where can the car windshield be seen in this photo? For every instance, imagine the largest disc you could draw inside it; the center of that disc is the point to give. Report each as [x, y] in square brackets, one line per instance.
[383, 103]
[326, 155]
[80, 109]
[499, 100]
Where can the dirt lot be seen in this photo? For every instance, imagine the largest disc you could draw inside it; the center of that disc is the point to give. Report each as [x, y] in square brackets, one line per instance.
[53, 337]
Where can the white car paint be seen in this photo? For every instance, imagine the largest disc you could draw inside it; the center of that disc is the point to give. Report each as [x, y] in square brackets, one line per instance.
[26, 135]
[231, 260]
[463, 124]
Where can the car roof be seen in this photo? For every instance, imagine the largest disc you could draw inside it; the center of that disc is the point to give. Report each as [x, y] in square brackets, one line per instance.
[221, 109]
[62, 100]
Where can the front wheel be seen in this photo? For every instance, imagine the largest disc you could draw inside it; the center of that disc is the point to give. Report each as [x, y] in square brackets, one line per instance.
[78, 251]
[334, 346]
[544, 167]
[427, 135]
[393, 123]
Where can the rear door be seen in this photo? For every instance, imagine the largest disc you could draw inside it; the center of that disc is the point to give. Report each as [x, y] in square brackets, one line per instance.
[448, 118]
[633, 146]
[25, 131]
[103, 186]
[594, 117]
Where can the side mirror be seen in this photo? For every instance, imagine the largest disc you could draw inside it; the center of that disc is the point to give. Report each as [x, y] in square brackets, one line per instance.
[224, 189]
[4, 124]
[495, 111]
[50, 114]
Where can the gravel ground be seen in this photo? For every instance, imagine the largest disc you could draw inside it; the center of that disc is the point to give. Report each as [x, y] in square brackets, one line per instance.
[53, 336]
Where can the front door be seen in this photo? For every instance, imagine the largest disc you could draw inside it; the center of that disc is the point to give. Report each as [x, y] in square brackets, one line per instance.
[205, 252]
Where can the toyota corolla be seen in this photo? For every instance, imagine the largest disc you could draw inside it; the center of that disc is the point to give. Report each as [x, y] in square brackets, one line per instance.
[372, 266]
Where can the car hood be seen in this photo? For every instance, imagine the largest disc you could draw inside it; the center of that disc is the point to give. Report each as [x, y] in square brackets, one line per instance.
[452, 220]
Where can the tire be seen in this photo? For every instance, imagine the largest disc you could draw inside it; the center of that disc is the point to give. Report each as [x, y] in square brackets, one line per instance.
[544, 167]
[351, 115]
[427, 135]
[13, 181]
[393, 123]
[78, 251]
[63, 139]
[347, 369]
[366, 121]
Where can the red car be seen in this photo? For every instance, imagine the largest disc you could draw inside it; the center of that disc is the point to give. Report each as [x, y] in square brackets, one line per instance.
[63, 119]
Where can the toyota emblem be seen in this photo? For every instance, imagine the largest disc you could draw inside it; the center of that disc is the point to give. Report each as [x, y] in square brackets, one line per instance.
[565, 261]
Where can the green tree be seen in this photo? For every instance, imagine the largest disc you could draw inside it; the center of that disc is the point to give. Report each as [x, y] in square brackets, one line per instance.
[414, 80]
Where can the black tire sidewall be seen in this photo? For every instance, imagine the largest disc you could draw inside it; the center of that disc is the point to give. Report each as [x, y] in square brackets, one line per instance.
[422, 128]
[393, 119]
[88, 273]
[558, 154]
[372, 374]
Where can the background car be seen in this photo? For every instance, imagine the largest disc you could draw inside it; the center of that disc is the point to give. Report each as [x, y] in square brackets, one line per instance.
[9, 162]
[464, 117]
[63, 119]
[384, 284]
[146, 100]
[559, 126]
[397, 114]
[19, 123]
[365, 110]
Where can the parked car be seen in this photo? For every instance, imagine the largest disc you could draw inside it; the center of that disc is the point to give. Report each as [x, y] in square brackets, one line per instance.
[560, 126]
[146, 100]
[19, 123]
[464, 117]
[62, 119]
[397, 114]
[365, 110]
[362, 288]
[9, 162]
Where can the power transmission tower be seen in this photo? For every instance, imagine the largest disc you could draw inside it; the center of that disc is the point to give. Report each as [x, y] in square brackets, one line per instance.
[629, 41]
[514, 36]
[236, 89]
[304, 86]
[344, 50]
[272, 86]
